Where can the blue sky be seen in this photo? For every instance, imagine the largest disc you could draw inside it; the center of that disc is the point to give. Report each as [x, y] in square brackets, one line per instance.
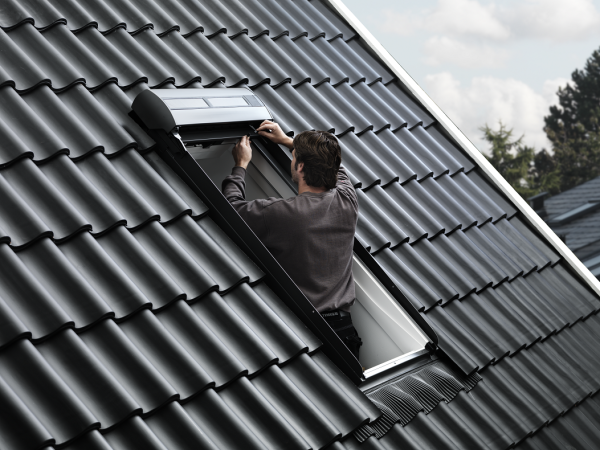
[483, 61]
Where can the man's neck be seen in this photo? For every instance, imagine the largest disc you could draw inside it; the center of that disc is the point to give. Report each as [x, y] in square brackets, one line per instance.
[303, 187]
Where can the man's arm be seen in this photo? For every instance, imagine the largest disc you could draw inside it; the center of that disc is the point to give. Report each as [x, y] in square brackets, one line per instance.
[345, 185]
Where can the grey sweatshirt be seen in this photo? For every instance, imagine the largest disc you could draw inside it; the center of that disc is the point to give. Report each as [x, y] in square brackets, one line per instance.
[311, 236]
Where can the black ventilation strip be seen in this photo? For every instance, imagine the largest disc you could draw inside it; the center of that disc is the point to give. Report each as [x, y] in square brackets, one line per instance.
[400, 400]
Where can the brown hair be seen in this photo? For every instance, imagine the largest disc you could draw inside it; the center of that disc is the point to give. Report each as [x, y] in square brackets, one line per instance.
[321, 154]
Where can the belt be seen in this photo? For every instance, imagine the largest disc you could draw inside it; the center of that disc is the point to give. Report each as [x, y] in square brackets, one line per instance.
[335, 314]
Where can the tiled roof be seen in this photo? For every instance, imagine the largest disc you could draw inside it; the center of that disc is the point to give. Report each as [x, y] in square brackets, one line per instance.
[129, 319]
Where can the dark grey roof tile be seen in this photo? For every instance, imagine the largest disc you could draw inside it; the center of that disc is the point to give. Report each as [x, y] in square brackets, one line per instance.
[165, 353]
[328, 104]
[277, 103]
[28, 300]
[269, 327]
[229, 248]
[272, 71]
[90, 441]
[251, 16]
[183, 190]
[208, 61]
[176, 429]
[332, 71]
[104, 275]
[178, 16]
[564, 293]
[142, 58]
[294, 53]
[45, 56]
[494, 250]
[373, 117]
[276, 18]
[503, 321]
[335, 101]
[52, 208]
[132, 433]
[30, 377]
[324, 11]
[104, 16]
[369, 236]
[135, 20]
[322, 391]
[360, 157]
[512, 251]
[97, 120]
[421, 434]
[113, 63]
[253, 74]
[311, 423]
[460, 337]
[220, 423]
[493, 342]
[309, 19]
[480, 198]
[207, 253]
[232, 331]
[64, 122]
[19, 223]
[31, 129]
[353, 66]
[478, 258]
[395, 225]
[175, 261]
[11, 146]
[40, 13]
[373, 62]
[129, 366]
[76, 15]
[410, 105]
[431, 267]
[513, 234]
[91, 382]
[426, 210]
[535, 241]
[284, 313]
[415, 289]
[441, 156]
[442, 255]
[565, 311]
[444, 197]
[18, 69]
[570, 282]
[295, 69]
[405, 225]
[199, 341]
[73, 293]
[417, 148]
[180, 71]
[111, 184]
[369, 96]
[140, 267]
[149, 185]
[13, 328]
[259, 415]
[465, 201]
[334, 58]
[493, 194]
[19, 427]
[450, 149]
[401, 157]
[528, 293]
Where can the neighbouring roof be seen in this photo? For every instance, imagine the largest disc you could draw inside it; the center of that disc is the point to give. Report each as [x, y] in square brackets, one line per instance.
[129, 319]
[575, 216]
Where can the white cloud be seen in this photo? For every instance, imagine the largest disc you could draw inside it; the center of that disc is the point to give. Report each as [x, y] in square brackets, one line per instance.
[555, 20]
[440, 50]
[489, 100]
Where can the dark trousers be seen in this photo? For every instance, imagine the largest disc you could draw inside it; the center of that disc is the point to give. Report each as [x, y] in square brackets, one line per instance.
[341, 323]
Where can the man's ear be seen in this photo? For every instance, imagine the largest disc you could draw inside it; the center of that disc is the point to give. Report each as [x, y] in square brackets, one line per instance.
[299, 167]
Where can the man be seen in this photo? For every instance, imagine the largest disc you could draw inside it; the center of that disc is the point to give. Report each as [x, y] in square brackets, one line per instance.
[311, 235]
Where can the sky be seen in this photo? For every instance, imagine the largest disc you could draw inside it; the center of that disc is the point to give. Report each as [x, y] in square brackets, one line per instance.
[488, 61]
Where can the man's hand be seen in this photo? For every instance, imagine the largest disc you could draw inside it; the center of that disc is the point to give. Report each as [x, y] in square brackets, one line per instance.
[273, 131]
[242, 152]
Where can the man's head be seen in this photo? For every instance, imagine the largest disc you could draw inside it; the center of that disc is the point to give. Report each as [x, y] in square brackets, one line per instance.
[317, 158]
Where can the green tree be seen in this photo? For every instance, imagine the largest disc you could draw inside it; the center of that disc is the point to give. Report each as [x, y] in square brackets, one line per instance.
[573, 127]
[517, 162]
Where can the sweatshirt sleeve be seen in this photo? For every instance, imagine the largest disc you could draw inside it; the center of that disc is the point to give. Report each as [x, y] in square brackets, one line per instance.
[253, 212]
[344, 185]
